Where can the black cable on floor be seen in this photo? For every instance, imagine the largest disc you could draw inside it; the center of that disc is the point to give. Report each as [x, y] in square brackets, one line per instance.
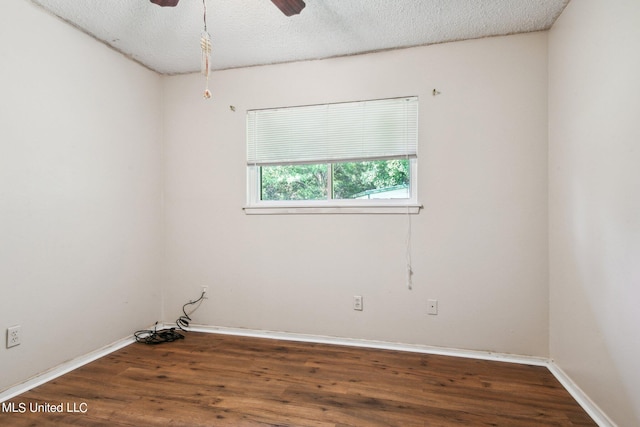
[154, 336]
[147, 336]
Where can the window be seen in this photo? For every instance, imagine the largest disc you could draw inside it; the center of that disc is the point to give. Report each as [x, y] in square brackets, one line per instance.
[345, 157]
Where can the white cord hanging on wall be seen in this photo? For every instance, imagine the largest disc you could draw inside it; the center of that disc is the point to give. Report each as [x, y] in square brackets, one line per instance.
[409, 231]
[205, 46]
[408, 253]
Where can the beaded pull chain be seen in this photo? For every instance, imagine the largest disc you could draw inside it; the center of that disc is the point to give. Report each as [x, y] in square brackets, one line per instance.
[205, 46]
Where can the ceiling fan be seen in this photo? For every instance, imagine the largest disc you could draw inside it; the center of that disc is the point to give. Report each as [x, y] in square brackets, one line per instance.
[288, 7]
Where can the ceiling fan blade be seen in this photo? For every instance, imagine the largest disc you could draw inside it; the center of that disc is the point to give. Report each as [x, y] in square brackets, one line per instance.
[290, 7]
[163, 3]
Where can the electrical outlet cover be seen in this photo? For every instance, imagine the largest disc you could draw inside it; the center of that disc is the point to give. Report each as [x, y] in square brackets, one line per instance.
[432, 306]
[13, 336]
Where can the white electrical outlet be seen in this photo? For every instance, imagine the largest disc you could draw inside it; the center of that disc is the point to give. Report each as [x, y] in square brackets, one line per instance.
[14, 337]
[205, 290]
[432, 306]
[357, 302]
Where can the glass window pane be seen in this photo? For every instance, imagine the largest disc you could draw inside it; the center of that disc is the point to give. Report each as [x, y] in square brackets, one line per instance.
[294, 182]
[379, 179]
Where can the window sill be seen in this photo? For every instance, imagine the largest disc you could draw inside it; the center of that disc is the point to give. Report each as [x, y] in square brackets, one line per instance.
[312, 210]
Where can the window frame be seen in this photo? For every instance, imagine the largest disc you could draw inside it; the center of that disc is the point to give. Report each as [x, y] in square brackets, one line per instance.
[255, 205]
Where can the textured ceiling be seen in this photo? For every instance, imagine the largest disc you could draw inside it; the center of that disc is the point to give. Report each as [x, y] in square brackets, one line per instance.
[255, 32]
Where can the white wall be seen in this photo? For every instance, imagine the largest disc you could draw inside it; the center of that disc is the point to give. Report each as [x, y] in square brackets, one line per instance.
[479, 246]
[594, 203]
[80, 206]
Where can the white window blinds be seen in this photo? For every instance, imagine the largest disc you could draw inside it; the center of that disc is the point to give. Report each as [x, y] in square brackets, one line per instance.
[350, 131]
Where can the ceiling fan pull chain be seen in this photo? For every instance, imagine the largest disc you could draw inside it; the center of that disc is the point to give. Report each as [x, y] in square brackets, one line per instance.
[205, 45]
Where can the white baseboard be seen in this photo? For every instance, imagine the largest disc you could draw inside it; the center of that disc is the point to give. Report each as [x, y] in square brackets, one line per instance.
[583, 400]
[580, 396]
[63, 368]
[383, 345]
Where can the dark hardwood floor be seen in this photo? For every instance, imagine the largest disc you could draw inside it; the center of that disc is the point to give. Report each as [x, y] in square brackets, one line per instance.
[220, 380]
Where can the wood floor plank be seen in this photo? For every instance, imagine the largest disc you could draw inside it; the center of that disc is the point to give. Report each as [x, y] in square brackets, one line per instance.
[221, 380]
